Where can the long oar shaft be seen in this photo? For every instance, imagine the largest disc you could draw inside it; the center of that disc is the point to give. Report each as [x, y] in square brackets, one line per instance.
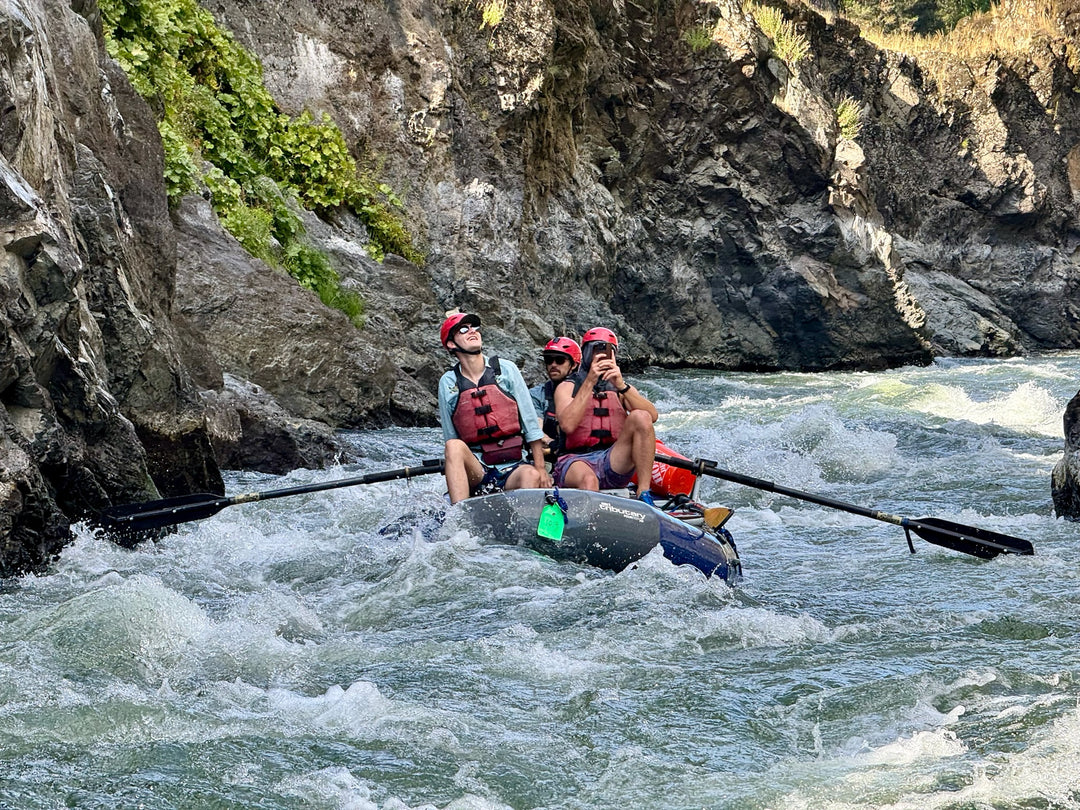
[371, 478]
[967, 539]
[821, 500]
[170, 511]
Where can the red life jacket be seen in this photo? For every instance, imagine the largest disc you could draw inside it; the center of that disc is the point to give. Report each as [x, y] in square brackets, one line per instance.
[602, 421]
[486, 417]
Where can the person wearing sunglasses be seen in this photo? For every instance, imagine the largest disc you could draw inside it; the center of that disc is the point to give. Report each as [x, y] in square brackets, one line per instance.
[487, 418]
[561, 358]
[607, 424]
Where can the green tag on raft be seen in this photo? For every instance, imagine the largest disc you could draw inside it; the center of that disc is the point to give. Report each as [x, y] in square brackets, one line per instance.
[551, 523]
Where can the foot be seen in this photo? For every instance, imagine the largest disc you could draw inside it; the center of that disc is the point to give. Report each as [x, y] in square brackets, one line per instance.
[646, 497]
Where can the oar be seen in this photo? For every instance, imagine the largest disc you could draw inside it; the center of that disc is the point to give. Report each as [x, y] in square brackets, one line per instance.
[141, 517]
[968, 539]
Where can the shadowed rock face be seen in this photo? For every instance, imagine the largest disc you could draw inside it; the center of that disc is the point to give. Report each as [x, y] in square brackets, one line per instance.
[96, 407]
[1065, 479]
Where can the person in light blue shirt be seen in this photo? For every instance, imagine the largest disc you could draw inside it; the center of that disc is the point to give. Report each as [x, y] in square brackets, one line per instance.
[487, 418]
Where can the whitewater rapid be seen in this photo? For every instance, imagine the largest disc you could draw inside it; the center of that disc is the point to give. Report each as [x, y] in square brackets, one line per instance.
[294, 654]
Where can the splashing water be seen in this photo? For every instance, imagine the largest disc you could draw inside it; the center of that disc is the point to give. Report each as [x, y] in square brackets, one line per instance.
[291, 654]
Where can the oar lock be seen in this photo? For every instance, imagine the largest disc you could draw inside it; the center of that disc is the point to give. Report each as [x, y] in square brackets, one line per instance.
[907, 534]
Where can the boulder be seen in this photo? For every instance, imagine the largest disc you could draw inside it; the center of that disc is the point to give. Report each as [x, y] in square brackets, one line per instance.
[1065, 479]
[262, 327]
[249, 430]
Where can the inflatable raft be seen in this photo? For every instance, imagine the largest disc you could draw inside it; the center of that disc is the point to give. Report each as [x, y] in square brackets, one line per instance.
[603, 529]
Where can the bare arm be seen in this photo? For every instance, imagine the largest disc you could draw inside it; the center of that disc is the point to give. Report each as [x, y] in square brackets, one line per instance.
[632, 399]
[537, 450]
[570, 409]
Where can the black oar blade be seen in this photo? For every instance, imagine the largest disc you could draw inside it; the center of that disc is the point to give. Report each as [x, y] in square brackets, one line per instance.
[972, 540]
[141, 517]
[132, 522]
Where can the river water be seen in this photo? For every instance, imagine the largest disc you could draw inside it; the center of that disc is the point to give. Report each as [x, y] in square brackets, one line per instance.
[288, 654]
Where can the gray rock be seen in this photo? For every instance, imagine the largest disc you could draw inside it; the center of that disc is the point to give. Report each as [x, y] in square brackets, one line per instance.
[965, 321]
[586, 167]
[262, 327]
[1065, 479]
[95, 407]
[250, 431]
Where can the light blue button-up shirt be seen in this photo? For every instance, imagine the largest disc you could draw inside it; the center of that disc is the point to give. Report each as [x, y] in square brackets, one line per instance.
[509, 380]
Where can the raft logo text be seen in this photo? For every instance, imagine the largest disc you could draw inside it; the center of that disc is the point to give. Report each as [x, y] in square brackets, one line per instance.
[626, 513]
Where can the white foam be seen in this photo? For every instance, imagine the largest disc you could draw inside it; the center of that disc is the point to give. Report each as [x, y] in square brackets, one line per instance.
[330, 787]
[923, 745]
[1029, 407]
[518, 650]
[1043, 774]
[841, 452]
[338, 788]
[757, 627]
[132, 628]
[359, 712]
[1047, 769]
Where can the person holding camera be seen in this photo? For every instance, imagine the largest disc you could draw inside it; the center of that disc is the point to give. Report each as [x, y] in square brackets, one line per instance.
[607, 424]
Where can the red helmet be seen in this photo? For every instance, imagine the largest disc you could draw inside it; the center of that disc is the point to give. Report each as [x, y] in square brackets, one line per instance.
[455, 320]
[600, 333]
[564, 345]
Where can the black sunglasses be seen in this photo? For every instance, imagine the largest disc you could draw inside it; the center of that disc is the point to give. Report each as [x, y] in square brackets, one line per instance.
[463, 330]
[555, 358]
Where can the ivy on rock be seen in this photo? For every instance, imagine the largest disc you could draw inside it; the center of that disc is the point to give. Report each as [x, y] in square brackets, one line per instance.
[221, 129]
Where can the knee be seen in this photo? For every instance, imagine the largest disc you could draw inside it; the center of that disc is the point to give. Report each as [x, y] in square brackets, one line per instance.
[640, 421]
[530, 477]
[580, 476]
[455, 450]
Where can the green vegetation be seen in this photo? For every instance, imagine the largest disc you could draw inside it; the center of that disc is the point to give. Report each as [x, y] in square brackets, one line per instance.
[698, 37]
[911, 16]
[848, 118]
[789, 45]
[221, 128]
[492, 12]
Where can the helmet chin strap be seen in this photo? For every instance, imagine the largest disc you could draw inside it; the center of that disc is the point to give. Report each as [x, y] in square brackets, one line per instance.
[458, 350]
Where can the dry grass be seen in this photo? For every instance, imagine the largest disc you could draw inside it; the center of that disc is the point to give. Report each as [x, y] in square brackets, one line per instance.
[789, 45]
[978, 36]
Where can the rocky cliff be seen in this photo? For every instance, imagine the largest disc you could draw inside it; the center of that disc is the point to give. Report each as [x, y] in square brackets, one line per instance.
[580, 163]
[574, 163]
[96, 404]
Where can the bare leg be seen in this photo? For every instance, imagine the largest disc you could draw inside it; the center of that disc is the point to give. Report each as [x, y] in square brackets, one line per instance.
[635, 449]
[580, 476]
[463, 471]
[526, 476]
